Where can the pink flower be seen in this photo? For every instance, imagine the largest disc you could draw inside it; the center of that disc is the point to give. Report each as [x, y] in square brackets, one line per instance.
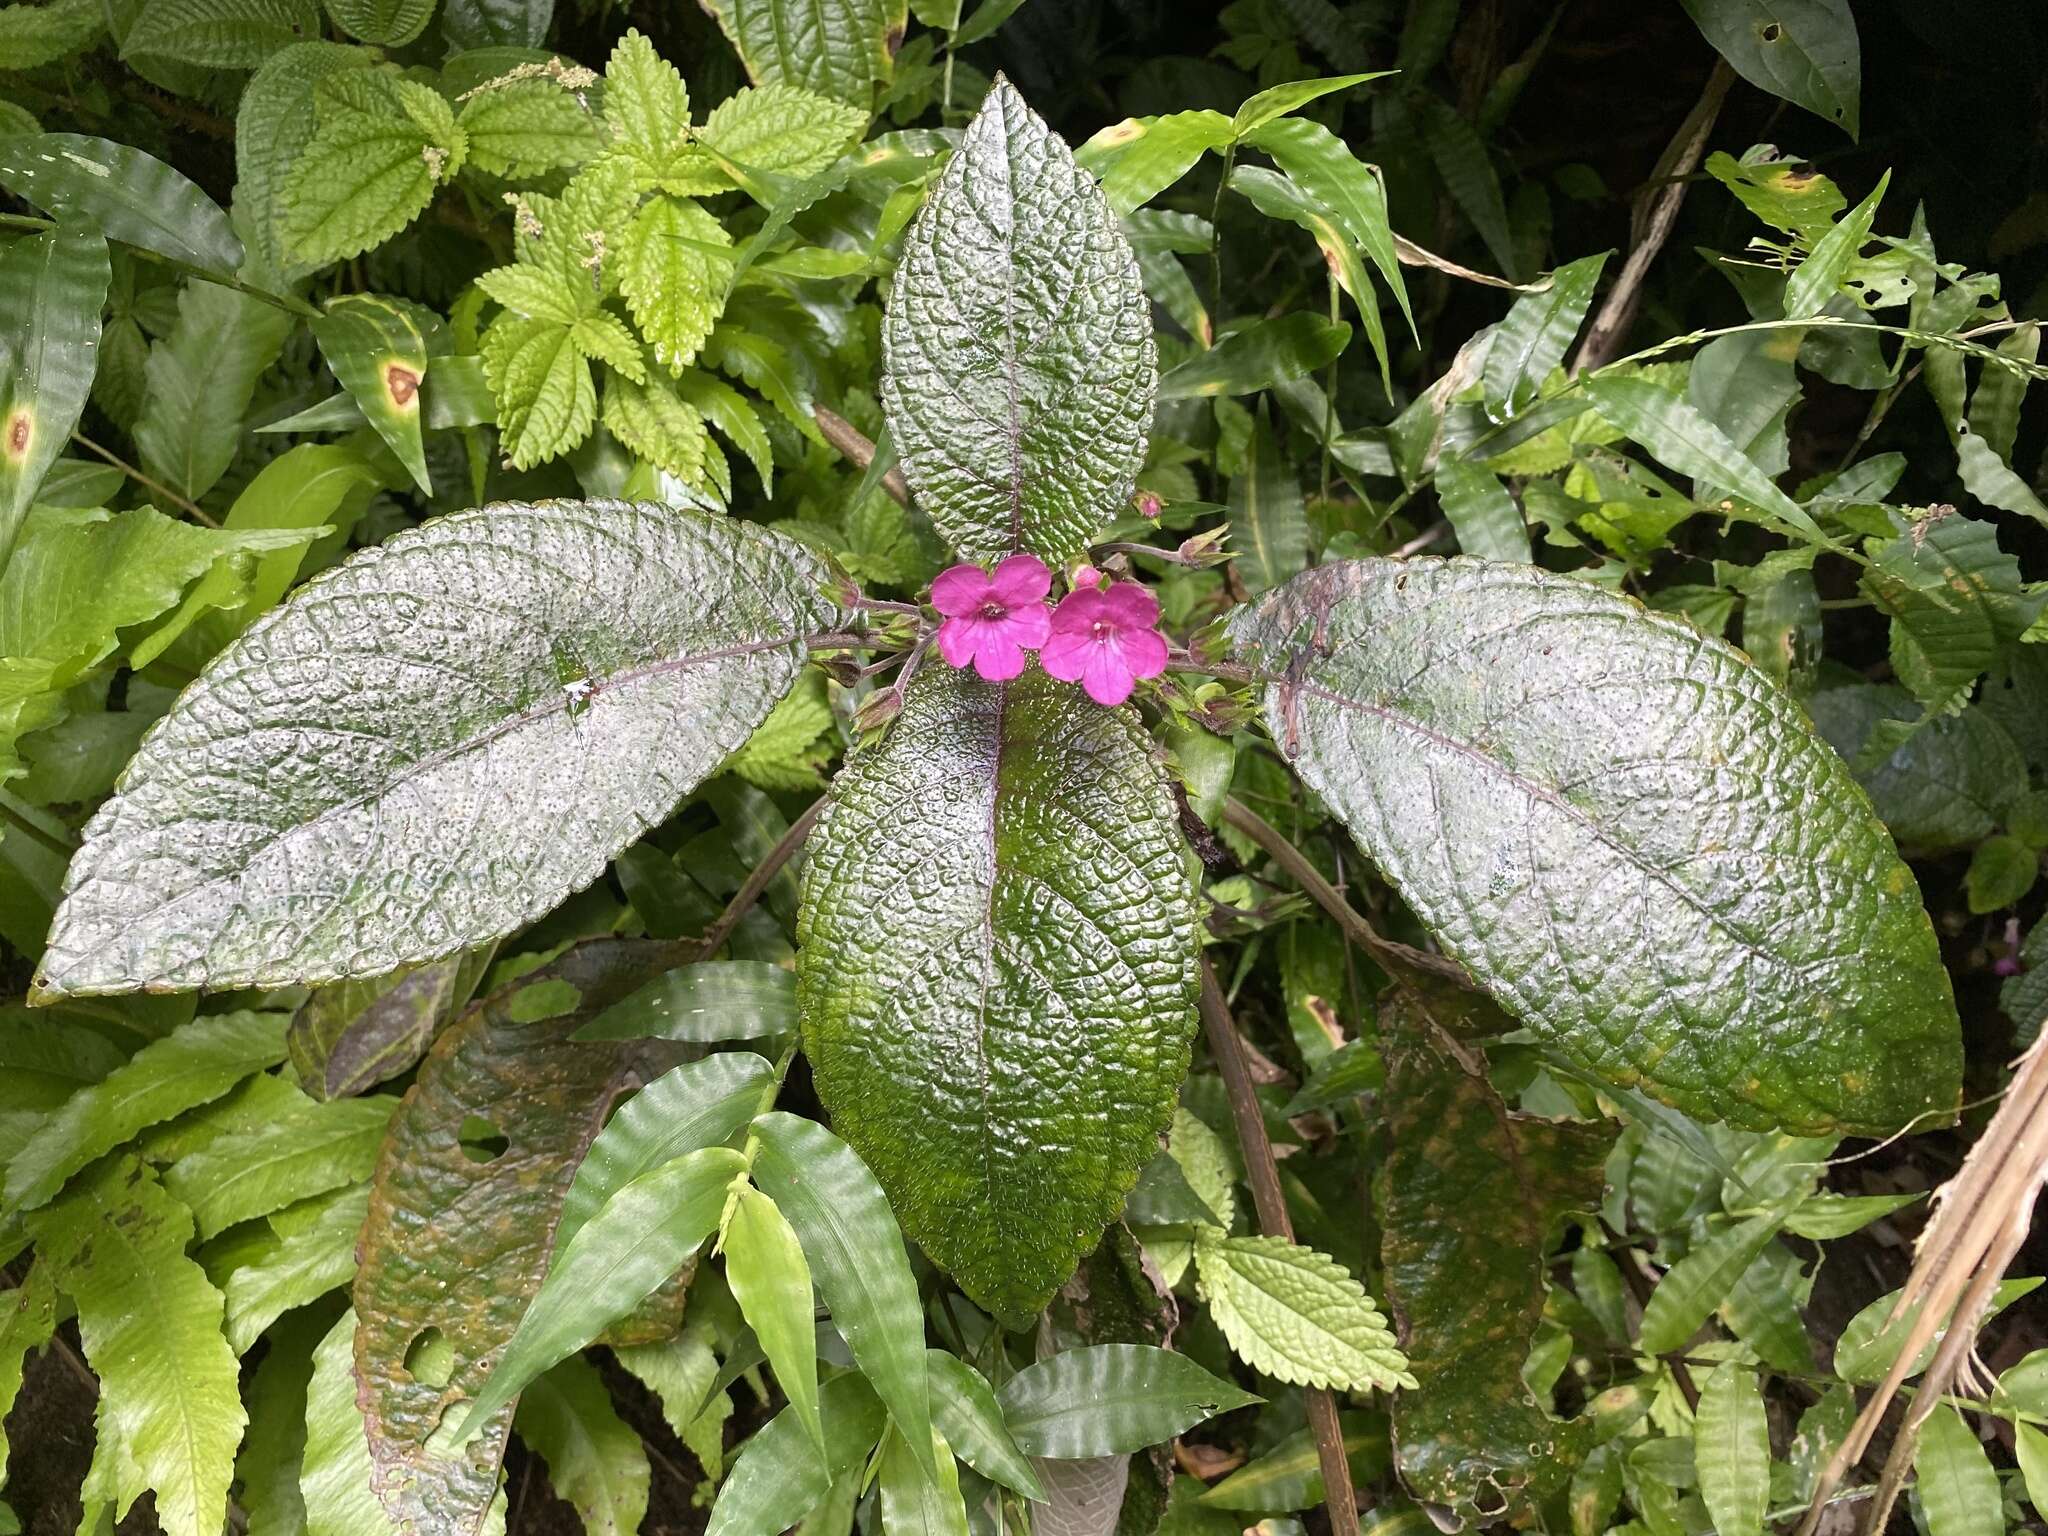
[992, 620]
[1105, 639]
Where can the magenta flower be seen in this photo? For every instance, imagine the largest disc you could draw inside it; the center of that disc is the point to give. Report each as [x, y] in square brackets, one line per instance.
[993, 619]
[1105, 639]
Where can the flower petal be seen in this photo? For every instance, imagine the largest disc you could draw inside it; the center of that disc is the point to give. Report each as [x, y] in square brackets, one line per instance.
[997, 658]
[958, 639]
[1065, 655]
[1144, 652]
[960, 590]
[1028, 626]
[1077, 613]
[1106, 678]
[1020, 579]
[1130, 606]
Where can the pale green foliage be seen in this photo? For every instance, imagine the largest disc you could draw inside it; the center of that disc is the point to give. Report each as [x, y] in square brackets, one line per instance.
[382, 146]
[201, 378]
[793, 744]
[594, 1460]
[673, 272]
[1295, 1314]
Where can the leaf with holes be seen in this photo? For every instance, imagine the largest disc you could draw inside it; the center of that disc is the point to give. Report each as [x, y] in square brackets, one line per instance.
[1803, 50]
[606, 658]
[997, 973]
[1623, 831]
[1019, 346]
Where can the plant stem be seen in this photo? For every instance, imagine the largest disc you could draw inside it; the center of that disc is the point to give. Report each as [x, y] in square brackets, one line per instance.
[758, 882]
[1263, 1174]
[183, 503]
[853, 445]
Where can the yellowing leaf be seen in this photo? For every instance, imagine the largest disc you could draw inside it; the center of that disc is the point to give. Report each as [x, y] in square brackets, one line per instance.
[1296, 1314]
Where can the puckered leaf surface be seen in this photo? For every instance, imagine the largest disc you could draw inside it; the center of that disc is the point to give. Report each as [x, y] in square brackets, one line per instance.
[838, 48]
[998, 973]
[1623, 831]
[1021, 368]
[433, 744]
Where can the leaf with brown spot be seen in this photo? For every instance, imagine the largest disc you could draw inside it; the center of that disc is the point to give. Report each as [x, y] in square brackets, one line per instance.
[378, 352]
[52, 287]
[463, 1210]
[1468, 1196]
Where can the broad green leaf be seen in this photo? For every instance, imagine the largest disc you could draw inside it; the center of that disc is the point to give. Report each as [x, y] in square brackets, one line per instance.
[1481, 512]
[1957, 1484]
[1296, 1315]
[127, 195]
[378, 355]
[382, 145]
[610, 656]
[778, 1478]
[1821, 1217]
[2002, 870]
[52, 288]
[496, 23]
[1870, 1345]
[654, 423]
[965, 1411]
[1289, 1476]
[201, 379]
[273, 123]
[1261, 355]
[1946, 786]
[1141, 157]
[1268, 522]
[640, 1236]
[1536, 334]
[838, 48]
[595, 1460]
[388, 23]
[646, 107]
[1675, 431]
[1693, 1287]
[1324, 167]
[1280, 100]
[334, 1476]
[1820, 276]
[170, 1413]
[1469, 1198]
[349, 1036]
[2030, 1447]
[1105, 1399]
[1956, 601]
[32, 35]
[308, 1153]
[687, 1109]
[193, 1065]
[298, 1267]
[1731, 1447]
[1014, 825]
[546, 400]
[480, 1155]
[219, 34]
[1019, 346]
[913, 1501]
[1803, 50]
[1469, 723]
[764, 1265]
[857, 1263]
[526, 127]
[780, 130]
[672, 283]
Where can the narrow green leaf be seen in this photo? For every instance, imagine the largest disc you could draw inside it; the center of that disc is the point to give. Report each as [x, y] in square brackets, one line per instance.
[1958, 1486]
[857, 1261]
[1296, 1315]
[1803, 50]
[306, 1153]
[127, 195]
[1820, 1218]
[375, 348]
[1486, 687]
[697, 1105]
[1019, 400]
[1731, 1447]
[1289, 1476]
[630, 1245]
[1988, 478]
[1690, 1290]
[1820, 276]
[764, 1265]
[584, 623]
[1109, 1398]
[1328, 172]
[1994, 413]
[1268, 522]
[965, 1411]
[1465, 163]
[1536, 334]
[595, 1459]
[1870, 1345]
[1481, 512]
[1261, 355]
[1280, 100]
[303, 1266]
[2031, 1448]
[193, 1065]
[1278, 197]
[1141, 157]
[201, 379]
[779, 1479]
[52, 288]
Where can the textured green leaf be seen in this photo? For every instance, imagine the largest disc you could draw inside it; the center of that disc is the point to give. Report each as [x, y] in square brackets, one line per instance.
[646, 107]
[307, 1153]
[781, 130]
[1994, 413]
[1803, 50]
[52, 288]
[219, 34]
[657, 426]
[779, 1479]
[1820, 276]
[546, 400]
[1732, 1449]
[583, 627]
[1324, 168]
[476, 1165]
[764, 1265]
[1260, 356]
[1870, 1345]
[1470, 724]
[857, 1262]
[382, 145]
[705, 1003]
[1481, 512]
[201, 378]
[349, 1036]
[273, 123]
[127, 195]
[298, 1268]
[1296, 1315]
[1141, 157]
[170, 1412]
[1955, 602]
[44, 31]
[523, 128]
[1469, 1196]
[1536, 334]
[837, 48]
[389, 23]
[1957, 1484]
[193, 1065]
[1019, 345]
[1084, 1496]
[965, 1410]
[595, 1460]
[496, 23]
[1109, 1398]
[1002, 1066]
[1946, 786]
[1697, 1283]
[378, 354]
